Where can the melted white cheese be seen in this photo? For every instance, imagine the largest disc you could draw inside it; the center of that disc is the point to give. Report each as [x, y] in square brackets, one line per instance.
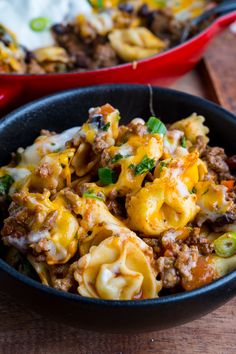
[44, 145]
[17, 14]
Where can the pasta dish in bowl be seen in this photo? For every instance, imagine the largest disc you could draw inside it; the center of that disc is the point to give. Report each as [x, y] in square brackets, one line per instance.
[128, 208]
[121, 212]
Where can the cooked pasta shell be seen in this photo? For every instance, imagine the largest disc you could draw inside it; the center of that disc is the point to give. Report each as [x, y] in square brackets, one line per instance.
[51, 54]
[135, 43]
[213, 201]
[192, 127]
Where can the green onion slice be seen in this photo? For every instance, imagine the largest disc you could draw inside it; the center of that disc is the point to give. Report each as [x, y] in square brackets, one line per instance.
[225, 245]
[106, 176]
[39, 24]
[144, 166]
[117, 158]
[92, 194]
[5, 184]
[183, 142]
[106, 127]
[155, 126]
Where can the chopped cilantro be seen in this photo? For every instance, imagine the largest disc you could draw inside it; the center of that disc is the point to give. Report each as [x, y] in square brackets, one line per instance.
[107, 176]
[5, 184]
[193, 191]
[91, 194]
[106, 127]
[206, 191]
[155, 126]
[116, 158]
[144, 166]
[162, 165]
[183, 142]
[57, 150]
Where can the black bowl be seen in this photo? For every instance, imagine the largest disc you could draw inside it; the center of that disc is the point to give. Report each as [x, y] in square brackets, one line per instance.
[68, 109]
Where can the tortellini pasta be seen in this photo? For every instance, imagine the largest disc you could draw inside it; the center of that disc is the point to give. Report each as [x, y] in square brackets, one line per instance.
[164, 204]
[213, 201]
[119, 268]
[132, 153]
[99, 132]
[192, 127]
[135, 43]
[53, 172]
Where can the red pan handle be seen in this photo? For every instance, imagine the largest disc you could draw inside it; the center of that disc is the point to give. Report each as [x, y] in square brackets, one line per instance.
[224, 21]
[9, 94]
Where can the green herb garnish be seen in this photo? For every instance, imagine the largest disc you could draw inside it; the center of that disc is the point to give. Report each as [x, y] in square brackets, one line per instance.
[194, 190]
[106, 176]
[155, 126]
[117, 158]
[162, 165]
[144, 166]
[183, 142]
[91, 194]
[57, 150]
[106, 127]
[206, 191]
[5, 184]
[39, 24]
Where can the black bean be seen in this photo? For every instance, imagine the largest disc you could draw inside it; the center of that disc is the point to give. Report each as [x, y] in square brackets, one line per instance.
[29, 56]
[98, 119]
[59, 29]
[231, 162]
[143, 11]
[126, 8]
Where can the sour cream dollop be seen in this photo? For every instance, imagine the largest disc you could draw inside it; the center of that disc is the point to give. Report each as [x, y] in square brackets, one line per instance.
[17, 14]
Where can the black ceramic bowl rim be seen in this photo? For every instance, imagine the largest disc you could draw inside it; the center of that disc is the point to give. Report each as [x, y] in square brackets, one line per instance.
[179, 297]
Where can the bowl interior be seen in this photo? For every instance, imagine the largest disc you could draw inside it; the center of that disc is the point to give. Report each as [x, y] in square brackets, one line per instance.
[70, 108]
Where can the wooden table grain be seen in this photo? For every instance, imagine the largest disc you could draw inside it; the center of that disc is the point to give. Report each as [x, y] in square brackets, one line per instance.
[23, 332]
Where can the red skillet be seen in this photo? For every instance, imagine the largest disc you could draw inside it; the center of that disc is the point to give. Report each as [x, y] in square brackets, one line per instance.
[161, 70]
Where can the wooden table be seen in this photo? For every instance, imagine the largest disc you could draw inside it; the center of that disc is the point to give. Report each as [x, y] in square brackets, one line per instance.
[25, 332]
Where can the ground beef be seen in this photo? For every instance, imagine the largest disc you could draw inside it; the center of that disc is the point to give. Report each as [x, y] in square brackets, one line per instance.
[86, 52]
[165, 26]
[155, 243]
[231, 162]
[138, 129]
[104, 56]
[215, 158]
[102, 141]
[117, 207]
[203, 244]
[62, 277]
[167, 271]
[176, 265]
[34, 68]
[200, 144]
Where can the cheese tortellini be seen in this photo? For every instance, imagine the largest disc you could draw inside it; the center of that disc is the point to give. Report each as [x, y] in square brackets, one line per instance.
[164, 204]
[192, 127]
[135, 43]
[121, 212]
[119, 268]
